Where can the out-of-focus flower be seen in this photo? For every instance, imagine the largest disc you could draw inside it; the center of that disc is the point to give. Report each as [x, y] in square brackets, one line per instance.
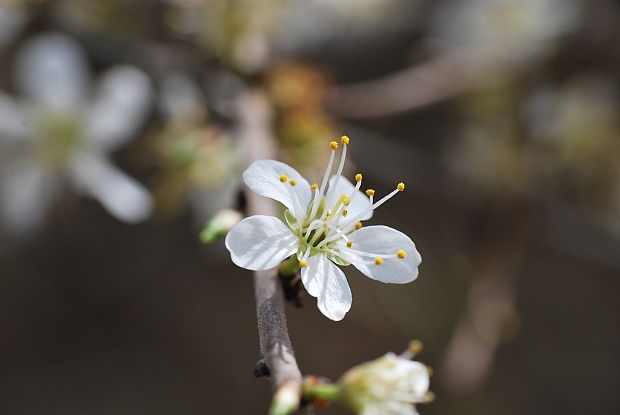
[63, 131]
[578, 125]
[237, 32]
[389, 385]
[505, 31]
[323, 227]
[199, 161]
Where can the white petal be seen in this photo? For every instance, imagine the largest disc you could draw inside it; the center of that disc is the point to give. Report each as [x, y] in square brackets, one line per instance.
[260, 242]
[121, 195]
[360, 203]
[52, 70]
[417, 375]
[27, 191]
[122, 102]
[324, 280]
[388, 408]
[263, 177]
[13, 120]
[384, 240]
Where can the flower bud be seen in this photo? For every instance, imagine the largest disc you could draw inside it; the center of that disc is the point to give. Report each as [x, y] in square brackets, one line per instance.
[219, 225]
[390, 384]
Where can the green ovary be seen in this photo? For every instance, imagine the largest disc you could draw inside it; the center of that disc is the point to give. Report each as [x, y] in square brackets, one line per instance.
[58, 139]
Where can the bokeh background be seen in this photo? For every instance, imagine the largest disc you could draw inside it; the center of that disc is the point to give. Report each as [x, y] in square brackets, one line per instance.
[120, 138]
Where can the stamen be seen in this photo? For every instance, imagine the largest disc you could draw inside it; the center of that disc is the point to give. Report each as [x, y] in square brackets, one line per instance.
[345, 213]
[328, 170]
[401, 254]
[358, 177]
[317, 234]
[283, 178]
[303, 263]
[344, 139]
[345, 200]
[378, 261]
[386, 198]
[338, 234]
[333, 145]
[343, 157]
[314, 186]
[400, 186]
[358, 225]
[370, 192]
[370, 254]
[297, 209]
[293, 182]
[349, 244]
[415, 346]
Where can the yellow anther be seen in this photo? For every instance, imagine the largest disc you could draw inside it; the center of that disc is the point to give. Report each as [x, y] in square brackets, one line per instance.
[345, 213]
[329, 212]
[378, 261]
[358, 177]
[429, 397]
[415, 346]
[370, 192]
[314, 186]
[400, 186]
[303, 264]
[358, 225]
[283, 178]
[401, 254]
[349, 244]
[344, 139]
[293, 182]
[346, 201]
[333, 145]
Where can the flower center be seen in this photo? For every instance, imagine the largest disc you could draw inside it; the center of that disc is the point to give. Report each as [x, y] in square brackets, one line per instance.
[58, 138]
[326, 229]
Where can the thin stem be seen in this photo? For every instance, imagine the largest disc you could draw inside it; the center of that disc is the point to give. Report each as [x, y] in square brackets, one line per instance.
[255, 119]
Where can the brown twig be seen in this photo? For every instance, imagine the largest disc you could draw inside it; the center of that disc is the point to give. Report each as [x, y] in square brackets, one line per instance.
[412, 88]
[255, 119]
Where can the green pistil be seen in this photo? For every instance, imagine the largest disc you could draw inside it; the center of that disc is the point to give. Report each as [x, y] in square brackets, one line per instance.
[59, 138]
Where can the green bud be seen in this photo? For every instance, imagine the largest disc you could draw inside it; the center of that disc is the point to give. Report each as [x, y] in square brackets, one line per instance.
[219, 225]
[286, 400]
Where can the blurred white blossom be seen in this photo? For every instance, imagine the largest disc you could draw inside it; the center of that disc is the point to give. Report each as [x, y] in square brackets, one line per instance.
[62, 130]
[199, 160]
[389, 385]
[505, 31]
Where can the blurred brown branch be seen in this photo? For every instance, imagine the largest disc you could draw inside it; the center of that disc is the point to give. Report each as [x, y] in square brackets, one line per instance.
[255, 119]
[420, 85]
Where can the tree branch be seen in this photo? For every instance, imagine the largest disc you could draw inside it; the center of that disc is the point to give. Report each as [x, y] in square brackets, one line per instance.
[412, 88]
[255, 120]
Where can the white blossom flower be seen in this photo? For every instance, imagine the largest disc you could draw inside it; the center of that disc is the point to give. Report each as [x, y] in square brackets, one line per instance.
[389, 385]
[61, 131]
[324, 229]
[506, 31]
